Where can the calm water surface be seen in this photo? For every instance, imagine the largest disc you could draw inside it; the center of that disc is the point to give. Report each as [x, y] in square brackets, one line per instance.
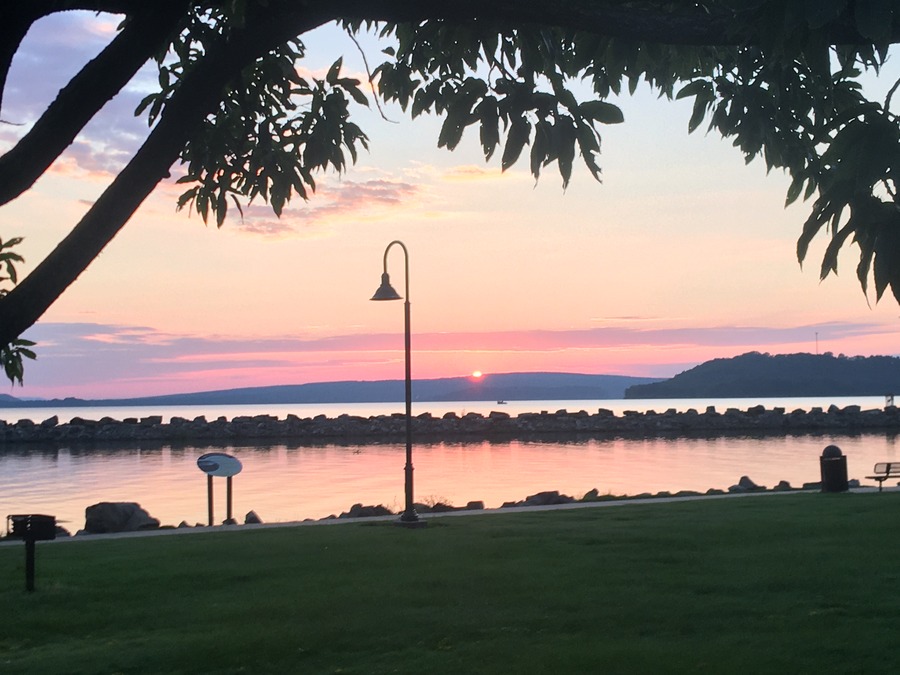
[618, 406]
[287, 482]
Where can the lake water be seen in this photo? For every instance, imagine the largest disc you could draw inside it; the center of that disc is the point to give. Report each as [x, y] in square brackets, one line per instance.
[288, 482]
[618, 406]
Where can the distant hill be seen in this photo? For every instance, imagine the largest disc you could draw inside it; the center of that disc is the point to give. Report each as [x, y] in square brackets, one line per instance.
[756, 375]
[505, 387]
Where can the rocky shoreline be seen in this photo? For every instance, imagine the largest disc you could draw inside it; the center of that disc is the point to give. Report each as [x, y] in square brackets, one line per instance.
[115, 517]
[756, 419]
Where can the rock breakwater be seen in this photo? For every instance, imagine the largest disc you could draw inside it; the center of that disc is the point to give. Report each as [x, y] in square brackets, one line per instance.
[756, 419]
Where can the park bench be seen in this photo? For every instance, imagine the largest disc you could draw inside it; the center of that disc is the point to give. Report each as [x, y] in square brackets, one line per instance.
[883, 471]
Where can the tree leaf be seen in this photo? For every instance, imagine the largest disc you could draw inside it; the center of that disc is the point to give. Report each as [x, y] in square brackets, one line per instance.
[601, 111]
[518, 135]
[830, 258]
[887, 259]
[694, 88]
[539, 147]
[335, 70]
[794, 190]
[563, 137]
[698, 114]
[452, 128]
[489, 132]
[357, 95]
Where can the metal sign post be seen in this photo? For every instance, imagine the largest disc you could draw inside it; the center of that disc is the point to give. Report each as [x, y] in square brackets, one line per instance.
[222, 465]
[228, 518]
[209, 498]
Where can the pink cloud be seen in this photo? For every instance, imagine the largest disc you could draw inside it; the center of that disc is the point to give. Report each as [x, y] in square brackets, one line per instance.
[97, 361]
[472, 172]
[331, 199]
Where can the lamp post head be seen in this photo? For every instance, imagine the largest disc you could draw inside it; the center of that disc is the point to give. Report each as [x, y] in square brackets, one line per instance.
[386, 291]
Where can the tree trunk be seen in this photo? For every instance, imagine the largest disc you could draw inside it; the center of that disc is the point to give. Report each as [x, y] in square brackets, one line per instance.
[84, 96]
[197, 97]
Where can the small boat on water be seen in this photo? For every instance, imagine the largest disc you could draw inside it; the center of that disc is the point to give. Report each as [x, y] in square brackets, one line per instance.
[501, 402]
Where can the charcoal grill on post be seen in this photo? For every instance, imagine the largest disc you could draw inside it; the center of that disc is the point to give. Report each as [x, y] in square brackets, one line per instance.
[31, 528]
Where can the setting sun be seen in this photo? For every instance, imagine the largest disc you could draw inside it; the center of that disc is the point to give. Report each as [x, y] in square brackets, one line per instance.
[476, 374]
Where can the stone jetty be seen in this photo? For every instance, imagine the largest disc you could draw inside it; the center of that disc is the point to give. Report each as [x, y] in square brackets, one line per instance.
[496, 425]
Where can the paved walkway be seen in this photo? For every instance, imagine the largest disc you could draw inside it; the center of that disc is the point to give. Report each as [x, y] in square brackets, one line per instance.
[608, 503]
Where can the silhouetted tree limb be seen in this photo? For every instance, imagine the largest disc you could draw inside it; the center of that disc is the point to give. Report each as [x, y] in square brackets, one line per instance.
[77, 104]
[185, 111]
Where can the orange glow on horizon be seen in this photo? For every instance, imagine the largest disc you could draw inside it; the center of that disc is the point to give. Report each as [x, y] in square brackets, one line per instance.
[477, 374]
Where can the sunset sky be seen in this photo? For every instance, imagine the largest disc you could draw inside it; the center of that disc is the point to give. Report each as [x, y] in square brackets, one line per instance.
[681, 255]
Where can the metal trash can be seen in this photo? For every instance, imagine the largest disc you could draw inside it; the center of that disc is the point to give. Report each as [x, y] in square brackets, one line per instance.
[833, 467]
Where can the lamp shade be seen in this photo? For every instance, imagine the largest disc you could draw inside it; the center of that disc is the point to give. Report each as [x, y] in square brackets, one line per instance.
[386, 291]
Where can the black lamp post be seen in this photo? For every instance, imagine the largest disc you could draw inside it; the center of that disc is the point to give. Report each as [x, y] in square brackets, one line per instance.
[409, 516]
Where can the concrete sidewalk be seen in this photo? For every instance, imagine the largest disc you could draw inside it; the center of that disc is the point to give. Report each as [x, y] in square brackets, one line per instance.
[606, 503]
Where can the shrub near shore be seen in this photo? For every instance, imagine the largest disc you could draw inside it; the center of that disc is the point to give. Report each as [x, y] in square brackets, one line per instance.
[756, 419]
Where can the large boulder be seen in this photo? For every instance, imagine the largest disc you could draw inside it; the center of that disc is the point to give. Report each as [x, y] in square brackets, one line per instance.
[547, 498]
[746, 484]
[360, 511]
[107, 517]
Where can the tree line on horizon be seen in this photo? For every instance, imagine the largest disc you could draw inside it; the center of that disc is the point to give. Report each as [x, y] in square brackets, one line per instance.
[762, 375]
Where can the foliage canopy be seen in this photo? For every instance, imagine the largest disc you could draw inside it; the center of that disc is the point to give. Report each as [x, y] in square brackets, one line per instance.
[779, 78]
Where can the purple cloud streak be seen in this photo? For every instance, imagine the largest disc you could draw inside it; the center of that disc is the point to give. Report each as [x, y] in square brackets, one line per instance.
[95, 360]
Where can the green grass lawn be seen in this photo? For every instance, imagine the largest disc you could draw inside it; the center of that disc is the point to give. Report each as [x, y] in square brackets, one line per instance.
[787, 583]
